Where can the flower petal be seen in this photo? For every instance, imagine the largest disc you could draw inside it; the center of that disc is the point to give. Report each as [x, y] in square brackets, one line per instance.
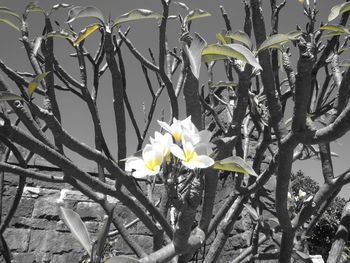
[165, 126]
[203, 161]
[177, 151]
[133, 163]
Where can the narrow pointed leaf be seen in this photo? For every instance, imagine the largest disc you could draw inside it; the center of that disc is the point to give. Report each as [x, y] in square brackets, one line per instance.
[77, 228]
[36, 9]
[337, 28]
[278, 39]
[196, 13]
[81, 12]
[59, 6]
[232, 50]
[224, 84]
[194, 53]
[241, 37]
[334, 34]
[234, 164]
[222, 38]
[101, 239]
[85, 33]
[5, 96]
[9, 23]
[334, 12]
[62, 34]
[345, 8]
[35, 82]
[337, 10]
[294, 34]
[183, 5]
[212, 57]
[10, 12]
[136, 14]
[122, 259]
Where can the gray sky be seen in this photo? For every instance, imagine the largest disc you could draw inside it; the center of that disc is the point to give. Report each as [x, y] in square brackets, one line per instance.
[144, 34]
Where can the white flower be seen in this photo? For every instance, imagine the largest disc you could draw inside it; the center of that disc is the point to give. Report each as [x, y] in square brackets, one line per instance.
[162, 143]
[177, 128]
[202, 141]
[149, 164]
[301, 193]
[191, 155]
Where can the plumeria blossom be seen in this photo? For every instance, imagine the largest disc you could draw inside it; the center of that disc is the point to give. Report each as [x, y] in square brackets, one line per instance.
[301, 193]
[190, 154]
[149, 164]
[202, 141]
[162, 143]
[177, 128]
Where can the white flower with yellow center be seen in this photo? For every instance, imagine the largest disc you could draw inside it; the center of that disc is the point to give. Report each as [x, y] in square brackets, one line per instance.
[162, 143]
[301, 193]
[149, 164]
[177, 128]
[190, 154]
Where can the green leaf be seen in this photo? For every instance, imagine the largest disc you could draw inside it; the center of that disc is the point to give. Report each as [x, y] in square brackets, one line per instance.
[334, 34]
[230, 50]
[278, 39]
[35, 82]
[5, 96]
[59, 6]
[85, 33]
[62, 34]
[222, 38]
[194, 53]
[241, 37]
[9, 23]
[183, 5]
[337, 10]
[81, 12]
[212, 57]
[10, 12]
[234, 164]
[136, 14]
[252, 212]
[195, 14]
[36, 9]
[101, 239]
[122, 259]
[224, 84]
[337, 28]
[77, 228]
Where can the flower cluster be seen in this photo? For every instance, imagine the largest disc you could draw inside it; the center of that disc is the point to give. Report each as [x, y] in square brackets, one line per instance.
[182, 141]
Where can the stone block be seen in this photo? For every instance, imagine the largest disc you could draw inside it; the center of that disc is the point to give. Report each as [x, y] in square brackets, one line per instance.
[146, 242]
[25, 208]
[23, 257]
[65, 258]
[236, 242]
[33, 223]
[17, 239]
[91, 211]
[50, 241]
[94, 227]
[47, 207]
[72, 195]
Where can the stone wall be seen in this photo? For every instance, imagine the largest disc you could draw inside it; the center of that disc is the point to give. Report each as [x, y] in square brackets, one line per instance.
[36, 233]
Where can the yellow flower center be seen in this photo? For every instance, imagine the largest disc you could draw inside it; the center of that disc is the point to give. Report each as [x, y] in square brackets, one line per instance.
[153, 163]
[190, 155]
[177, 136]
